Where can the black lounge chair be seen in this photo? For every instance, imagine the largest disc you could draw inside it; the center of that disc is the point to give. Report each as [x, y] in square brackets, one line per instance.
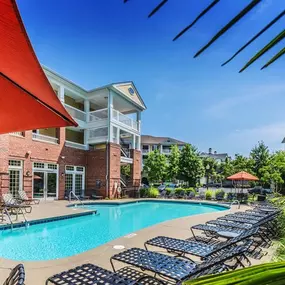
[229, 224]
[93, 274]
[176, 269]
[203, 250]
[17, 276]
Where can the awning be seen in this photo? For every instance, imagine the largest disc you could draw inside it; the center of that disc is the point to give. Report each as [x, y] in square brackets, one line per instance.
[27, 100]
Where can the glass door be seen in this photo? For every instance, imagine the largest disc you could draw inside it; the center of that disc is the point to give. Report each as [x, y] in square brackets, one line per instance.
[51, 185]
[45, 185]
[39, 185]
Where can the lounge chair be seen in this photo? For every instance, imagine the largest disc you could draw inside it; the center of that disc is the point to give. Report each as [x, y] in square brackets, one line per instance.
[174, 268]
[93, 274]
[185, 247]
[14, 204]
[25, 199]
[17, 276]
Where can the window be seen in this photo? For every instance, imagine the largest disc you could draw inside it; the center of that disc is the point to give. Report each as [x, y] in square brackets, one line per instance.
[15, 176]
[52, 166]
[39, 165]
[74, 179]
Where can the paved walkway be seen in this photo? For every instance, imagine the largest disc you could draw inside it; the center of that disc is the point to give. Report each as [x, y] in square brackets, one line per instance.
[38, 272]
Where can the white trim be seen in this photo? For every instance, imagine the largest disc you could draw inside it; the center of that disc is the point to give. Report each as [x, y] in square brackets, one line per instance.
[75, 172]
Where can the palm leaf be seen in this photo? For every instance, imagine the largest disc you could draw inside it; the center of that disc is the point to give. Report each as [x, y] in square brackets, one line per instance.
[266, 48]
[197, 18]
[241, 14]
[256, 36]
[157, 8]
[274, 58]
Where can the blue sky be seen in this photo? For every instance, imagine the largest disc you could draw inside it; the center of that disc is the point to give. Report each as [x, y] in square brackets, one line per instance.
[95, 42]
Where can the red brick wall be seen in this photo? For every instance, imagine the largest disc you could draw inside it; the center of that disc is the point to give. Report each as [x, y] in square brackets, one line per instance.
[136, 167]
[95, 162]
[114, 169]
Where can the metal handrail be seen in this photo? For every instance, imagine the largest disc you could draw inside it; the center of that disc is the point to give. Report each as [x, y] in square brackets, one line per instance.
[237, 202]
[9, 217]
[74, 195]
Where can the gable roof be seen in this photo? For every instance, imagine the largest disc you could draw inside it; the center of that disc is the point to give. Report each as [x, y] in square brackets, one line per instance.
[147, 139]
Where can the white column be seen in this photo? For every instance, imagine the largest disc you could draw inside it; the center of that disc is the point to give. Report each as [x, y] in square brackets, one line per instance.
[133, 141]
[139, 120]
[61, 94]
[118, 135]
[138, 142]
[86, 137]
[87, 109]
[110, 112]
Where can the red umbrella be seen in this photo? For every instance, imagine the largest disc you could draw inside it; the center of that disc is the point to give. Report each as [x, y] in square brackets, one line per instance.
[27, 99]
[241, 176]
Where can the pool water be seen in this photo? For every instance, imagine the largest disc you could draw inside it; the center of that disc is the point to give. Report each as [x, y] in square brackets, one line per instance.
[68, 237]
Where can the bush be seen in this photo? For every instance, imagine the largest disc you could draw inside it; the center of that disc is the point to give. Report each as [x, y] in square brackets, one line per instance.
[153, 193]
[220, 194]
[191, 189]
[149, 192]
[169, 191]
[209, 194]
[180, 192]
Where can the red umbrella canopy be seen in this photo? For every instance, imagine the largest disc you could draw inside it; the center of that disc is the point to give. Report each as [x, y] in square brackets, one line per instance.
[243, 176]
[27, 100]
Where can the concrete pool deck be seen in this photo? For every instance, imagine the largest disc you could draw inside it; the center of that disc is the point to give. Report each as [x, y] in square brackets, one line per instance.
[37, 272]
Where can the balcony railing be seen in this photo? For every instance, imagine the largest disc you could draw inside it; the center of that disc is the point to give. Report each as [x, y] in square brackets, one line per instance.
[18, 134]
[76, 113]
[166, 150]
[98, 115]
[44, 138]
[118, 116]
[75, 145]
[98, 135]
[145, 150]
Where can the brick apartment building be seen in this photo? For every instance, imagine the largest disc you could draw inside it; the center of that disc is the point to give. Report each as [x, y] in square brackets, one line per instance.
[87, 159]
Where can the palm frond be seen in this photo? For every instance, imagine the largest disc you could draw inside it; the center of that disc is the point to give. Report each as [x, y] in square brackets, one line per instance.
[197, 18]
[274, 58]
[240, 15]
[266, 48]
[157, 8]
[256, 36]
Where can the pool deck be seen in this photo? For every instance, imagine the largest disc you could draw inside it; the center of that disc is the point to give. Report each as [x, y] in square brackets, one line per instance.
[38, 272]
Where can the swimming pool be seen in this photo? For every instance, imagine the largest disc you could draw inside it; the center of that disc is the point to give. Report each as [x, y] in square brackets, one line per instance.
[68, 237]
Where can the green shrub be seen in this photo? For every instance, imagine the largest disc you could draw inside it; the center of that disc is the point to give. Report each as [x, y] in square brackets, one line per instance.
[180, 192]
[220, 194]
[209, 194]
[191, 189]
[149, 192]
[169, 191]
[153, 193]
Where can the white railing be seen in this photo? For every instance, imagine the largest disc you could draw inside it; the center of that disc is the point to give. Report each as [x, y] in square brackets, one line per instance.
[118, 116]
[44, 138]
[145, 150]
[101, 114]
[75, 145]
[76, 113]
[98, 135]
[166, 150]
[18, 134]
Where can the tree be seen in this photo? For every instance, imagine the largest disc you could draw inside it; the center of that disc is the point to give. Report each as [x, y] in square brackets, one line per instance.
[226, 168]
[242, 163]
[126, 170]
[210, 165]
[156, 166]
[261, 156]
[173, 163]
[190, 165]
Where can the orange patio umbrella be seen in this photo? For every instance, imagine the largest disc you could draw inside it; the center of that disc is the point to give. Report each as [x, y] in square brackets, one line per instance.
[27, 100]
[243, 175]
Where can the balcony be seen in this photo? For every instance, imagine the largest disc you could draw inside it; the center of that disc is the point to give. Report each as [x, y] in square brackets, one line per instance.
[75, 145]
[76, 113]
[166, 150]
[145, 151]
[99, 135]
[122, 119]
[43, 138]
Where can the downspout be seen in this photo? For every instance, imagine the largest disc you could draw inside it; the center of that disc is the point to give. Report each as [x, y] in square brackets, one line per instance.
[107, 144]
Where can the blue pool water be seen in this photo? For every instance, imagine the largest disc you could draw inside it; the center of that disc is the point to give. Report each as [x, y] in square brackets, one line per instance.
[65, 238]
